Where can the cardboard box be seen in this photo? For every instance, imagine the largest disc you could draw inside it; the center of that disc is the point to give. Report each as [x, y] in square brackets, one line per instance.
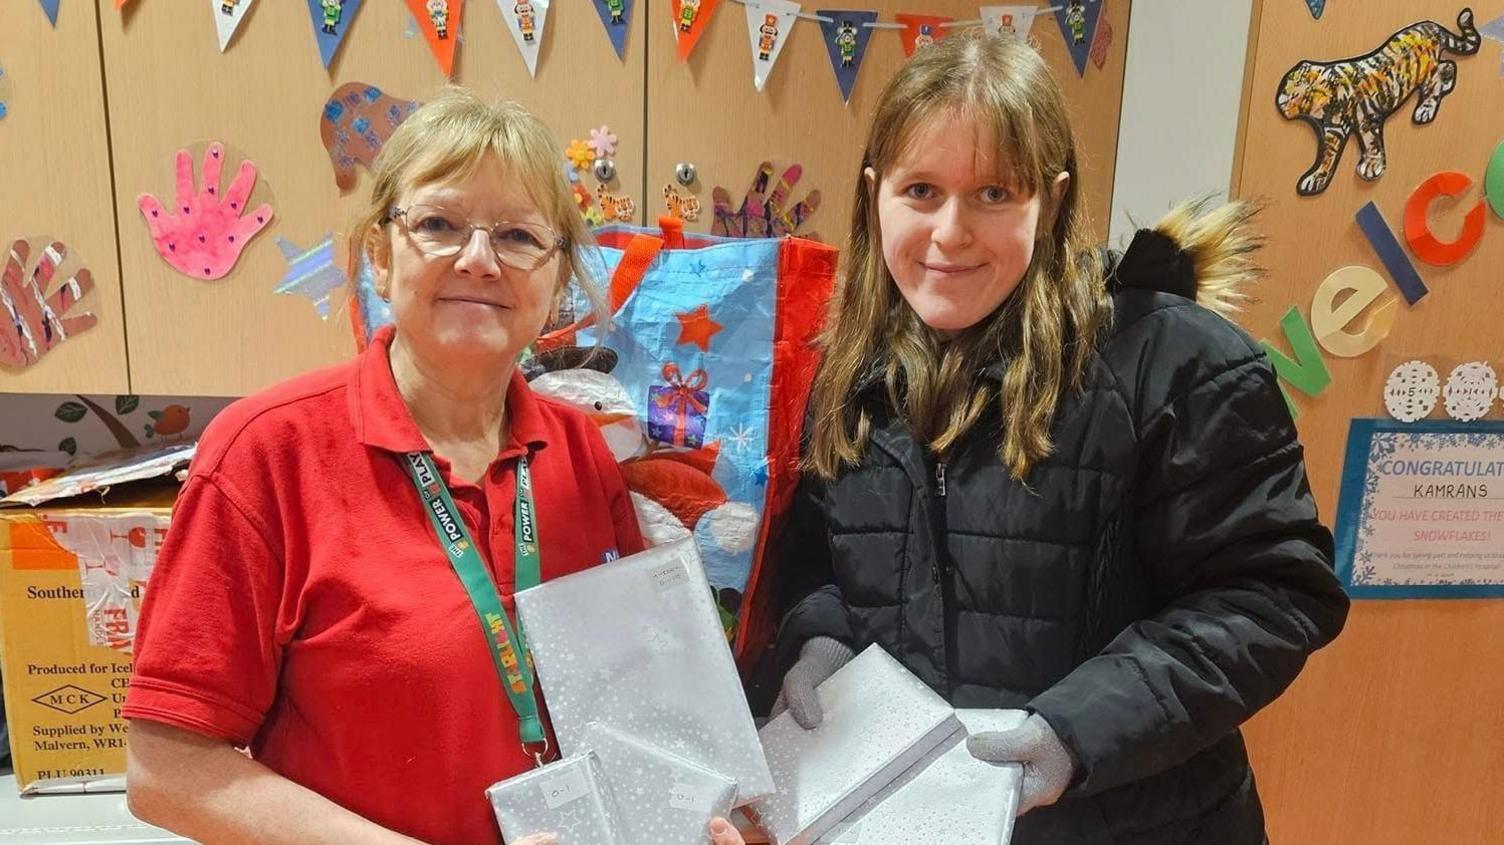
[71, 581]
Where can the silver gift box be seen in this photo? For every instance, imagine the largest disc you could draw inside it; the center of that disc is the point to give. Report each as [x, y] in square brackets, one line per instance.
[638, 646]
[568, 798]
[879, 722]
[954, 799]
[664, 799]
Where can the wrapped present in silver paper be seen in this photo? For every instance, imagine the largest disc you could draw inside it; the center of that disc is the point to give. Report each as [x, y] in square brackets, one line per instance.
[879, 722]
[663, 798]
[568, 798]
[638, 646]
[954, 799]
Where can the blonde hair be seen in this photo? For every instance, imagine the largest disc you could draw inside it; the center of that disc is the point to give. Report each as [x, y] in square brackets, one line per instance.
[1045, 332]
[446, 139]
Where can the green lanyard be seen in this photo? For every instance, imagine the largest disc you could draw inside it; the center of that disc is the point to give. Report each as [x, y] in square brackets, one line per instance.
[508, 650]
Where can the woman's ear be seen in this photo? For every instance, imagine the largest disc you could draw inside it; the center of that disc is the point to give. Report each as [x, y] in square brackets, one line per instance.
[379, 253]
[869, 176]
[1058, 187]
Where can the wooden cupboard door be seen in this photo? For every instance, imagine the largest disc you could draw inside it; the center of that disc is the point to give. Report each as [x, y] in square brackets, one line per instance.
[171, 88]
[55, 185]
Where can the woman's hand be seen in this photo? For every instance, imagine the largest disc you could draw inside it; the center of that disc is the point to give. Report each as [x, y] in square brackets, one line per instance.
[1048, 767]
[819, 658]
[723, 832]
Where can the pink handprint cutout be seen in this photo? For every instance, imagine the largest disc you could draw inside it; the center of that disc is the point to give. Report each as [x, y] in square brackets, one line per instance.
[203, 234]
[31, 321]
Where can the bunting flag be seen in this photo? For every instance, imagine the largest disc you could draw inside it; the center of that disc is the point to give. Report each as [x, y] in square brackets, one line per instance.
[769, 23]
[227, 17]
[1078, 22]
[120, 4]
[1316, 7]
[616, 17]
[846, 35]
[921, 30]
[690, 19]
[1101, 44]
[50, 7]
[1013, 20]
[331, 20]
[1494, 31]
[525, 18]
[439, 21]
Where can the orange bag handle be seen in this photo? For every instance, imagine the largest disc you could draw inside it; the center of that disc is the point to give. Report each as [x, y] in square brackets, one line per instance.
[638, 256]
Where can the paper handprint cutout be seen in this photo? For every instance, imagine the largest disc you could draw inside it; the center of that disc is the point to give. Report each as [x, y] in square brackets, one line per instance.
[32, 321]
[203, 233]
[764, 215]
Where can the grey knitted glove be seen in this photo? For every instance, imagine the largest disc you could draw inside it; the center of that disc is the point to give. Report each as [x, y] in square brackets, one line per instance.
[1048, 767]
[819, 658]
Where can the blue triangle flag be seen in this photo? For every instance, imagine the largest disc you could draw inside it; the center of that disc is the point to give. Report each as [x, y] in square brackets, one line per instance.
[331, 20]
[1078, 23]
[616, 17]
[50, 7]
[846, 43]
[1316, 7]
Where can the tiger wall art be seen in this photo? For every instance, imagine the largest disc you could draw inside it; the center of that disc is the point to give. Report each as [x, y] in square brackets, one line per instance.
[1357, 95]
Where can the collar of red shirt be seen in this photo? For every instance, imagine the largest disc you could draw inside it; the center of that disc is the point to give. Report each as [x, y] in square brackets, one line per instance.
[382, 420]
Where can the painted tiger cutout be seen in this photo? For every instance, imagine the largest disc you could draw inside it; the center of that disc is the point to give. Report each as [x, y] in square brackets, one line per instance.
[1359, 94]
[683, 206]
[614, 207]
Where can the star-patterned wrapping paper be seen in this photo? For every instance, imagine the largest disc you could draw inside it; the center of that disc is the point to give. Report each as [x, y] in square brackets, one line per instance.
[637, 645]
[664, 799]
[879, 722]
[567, 798]
[955, 799]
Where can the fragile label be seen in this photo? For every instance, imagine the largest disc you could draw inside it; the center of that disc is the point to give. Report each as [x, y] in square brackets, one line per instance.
[567, 787]
[669, 576]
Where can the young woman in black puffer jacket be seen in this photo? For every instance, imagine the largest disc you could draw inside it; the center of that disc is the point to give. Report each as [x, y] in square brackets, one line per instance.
[1045, 480]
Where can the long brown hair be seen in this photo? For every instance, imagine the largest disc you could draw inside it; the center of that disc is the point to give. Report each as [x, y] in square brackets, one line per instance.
[1044, 333]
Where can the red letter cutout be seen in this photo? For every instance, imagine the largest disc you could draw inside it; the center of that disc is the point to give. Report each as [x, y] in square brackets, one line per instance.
[1426, 246]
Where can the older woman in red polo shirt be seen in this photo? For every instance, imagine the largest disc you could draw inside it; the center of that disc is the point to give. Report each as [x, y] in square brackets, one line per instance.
[303, 606]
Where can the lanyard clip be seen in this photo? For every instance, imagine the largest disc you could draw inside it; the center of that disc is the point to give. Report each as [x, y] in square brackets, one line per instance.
[536, 750]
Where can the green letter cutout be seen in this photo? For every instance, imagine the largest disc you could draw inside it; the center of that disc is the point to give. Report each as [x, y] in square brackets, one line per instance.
[1308, 372]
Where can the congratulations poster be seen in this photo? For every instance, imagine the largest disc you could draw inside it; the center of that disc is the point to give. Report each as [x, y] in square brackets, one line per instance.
[1421, 513]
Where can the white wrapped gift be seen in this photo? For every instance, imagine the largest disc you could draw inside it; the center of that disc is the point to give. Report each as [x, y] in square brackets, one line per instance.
[663, 798]
[879, 721]
[638, 646]
[568, 798]
[954, 799]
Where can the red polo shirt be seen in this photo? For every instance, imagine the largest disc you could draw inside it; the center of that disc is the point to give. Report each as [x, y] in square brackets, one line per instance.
[302, 606]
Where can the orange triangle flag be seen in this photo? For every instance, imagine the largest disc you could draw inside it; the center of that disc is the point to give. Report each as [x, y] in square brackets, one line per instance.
[921, 30]
[690, 19]
[120, 4]
[440, 22]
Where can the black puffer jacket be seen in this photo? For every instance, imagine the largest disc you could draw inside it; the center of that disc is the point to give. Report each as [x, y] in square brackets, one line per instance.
[1165, 579]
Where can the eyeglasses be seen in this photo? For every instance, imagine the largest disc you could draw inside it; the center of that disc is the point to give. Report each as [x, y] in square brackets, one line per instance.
[442, 232]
